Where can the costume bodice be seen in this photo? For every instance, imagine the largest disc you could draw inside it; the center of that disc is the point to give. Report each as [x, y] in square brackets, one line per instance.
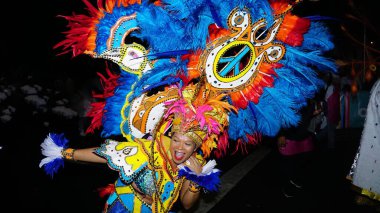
[145, 182]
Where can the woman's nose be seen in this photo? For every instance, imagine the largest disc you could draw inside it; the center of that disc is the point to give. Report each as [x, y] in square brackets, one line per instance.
[180, 145]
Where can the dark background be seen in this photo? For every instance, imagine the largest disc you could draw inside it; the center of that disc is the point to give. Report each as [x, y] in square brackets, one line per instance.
[29, 32]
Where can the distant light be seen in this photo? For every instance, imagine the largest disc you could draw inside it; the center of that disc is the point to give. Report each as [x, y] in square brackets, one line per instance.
[371, 42]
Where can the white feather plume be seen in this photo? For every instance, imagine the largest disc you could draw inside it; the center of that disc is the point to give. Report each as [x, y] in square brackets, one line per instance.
[50, 150]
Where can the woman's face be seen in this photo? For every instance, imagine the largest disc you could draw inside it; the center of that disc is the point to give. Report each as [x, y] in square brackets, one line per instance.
[181, 148]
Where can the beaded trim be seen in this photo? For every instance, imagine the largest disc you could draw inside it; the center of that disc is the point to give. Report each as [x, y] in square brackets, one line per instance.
[68, 154]
[194, 187]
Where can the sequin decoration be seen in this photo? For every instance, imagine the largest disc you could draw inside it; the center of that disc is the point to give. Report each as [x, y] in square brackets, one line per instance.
[145, 182]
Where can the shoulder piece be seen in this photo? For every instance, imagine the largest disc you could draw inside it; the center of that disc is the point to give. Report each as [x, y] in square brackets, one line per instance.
[129, 158]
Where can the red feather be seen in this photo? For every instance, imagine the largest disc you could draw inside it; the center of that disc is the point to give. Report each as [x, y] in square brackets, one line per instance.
[216, 32]
[252, 140]
[96, 112]
[292, 30]
[107, 190]
[81, 36]
[97, 108]
[223, 145]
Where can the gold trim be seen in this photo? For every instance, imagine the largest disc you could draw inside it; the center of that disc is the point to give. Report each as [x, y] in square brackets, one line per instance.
[370, 194]
[366, 192]
[195, 137]
[68, 154]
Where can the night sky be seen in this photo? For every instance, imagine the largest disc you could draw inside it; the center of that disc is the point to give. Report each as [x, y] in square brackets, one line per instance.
[28, 58]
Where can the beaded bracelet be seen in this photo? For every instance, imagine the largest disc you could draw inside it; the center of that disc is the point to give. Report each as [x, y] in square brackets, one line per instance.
[68, 154]
[194, 187]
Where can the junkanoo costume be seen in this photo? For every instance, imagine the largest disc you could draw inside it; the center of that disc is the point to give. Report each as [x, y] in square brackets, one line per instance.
[223, 72]
[365, 170]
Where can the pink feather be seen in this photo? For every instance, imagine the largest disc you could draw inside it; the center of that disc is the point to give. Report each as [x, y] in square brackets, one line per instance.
[200, 114]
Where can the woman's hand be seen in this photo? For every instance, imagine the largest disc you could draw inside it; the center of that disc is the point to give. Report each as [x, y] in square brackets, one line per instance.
[193, 164]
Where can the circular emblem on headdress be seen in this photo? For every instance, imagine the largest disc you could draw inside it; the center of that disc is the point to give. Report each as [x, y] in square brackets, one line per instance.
[231, 62]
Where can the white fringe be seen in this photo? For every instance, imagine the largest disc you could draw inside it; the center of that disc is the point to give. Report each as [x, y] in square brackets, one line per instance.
[207, 169]
[50, 150]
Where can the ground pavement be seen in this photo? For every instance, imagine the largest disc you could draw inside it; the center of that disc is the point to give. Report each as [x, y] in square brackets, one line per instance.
[259, 190]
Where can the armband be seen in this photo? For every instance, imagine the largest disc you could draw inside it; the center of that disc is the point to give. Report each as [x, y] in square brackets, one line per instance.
[68, 154]
[194, 187]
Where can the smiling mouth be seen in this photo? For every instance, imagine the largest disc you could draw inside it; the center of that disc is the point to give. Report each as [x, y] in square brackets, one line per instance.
[179, 155]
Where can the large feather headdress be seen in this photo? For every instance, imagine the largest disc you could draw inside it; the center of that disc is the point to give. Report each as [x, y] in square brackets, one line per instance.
[254, 55]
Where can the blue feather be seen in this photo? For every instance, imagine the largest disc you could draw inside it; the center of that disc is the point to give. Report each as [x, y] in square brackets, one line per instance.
[59, 139]
[258, 9]
[168, 81]
[322, 18]
[214, 13]
[162, 70]
[167, 54]
[51, 148]
[112, 111]
[283, 105]
[245, 118]
[255, 118]
[266, 117]
[154, 21]
[210, 182]
[312, 58]
[297, 85]
[317, 38]
[53, 167]
[297, 94]
[306, 75]
[105, 24]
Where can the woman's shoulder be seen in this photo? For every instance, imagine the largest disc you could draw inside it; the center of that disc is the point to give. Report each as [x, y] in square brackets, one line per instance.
[129, 158]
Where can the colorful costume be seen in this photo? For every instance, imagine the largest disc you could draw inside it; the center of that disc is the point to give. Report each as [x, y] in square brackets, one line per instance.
[235, 70]
[135, 164]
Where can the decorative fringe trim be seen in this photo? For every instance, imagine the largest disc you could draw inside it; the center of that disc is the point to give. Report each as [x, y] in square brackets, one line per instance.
[52, 148]
[208, 178]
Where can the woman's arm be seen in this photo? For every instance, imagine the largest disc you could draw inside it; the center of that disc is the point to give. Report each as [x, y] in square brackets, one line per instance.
[201, 177]
[190, 193]
[53, 148]
[85, 155]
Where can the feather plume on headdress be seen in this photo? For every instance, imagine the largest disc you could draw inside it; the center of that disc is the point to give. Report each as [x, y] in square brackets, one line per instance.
[256, 56]
[202, 123]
